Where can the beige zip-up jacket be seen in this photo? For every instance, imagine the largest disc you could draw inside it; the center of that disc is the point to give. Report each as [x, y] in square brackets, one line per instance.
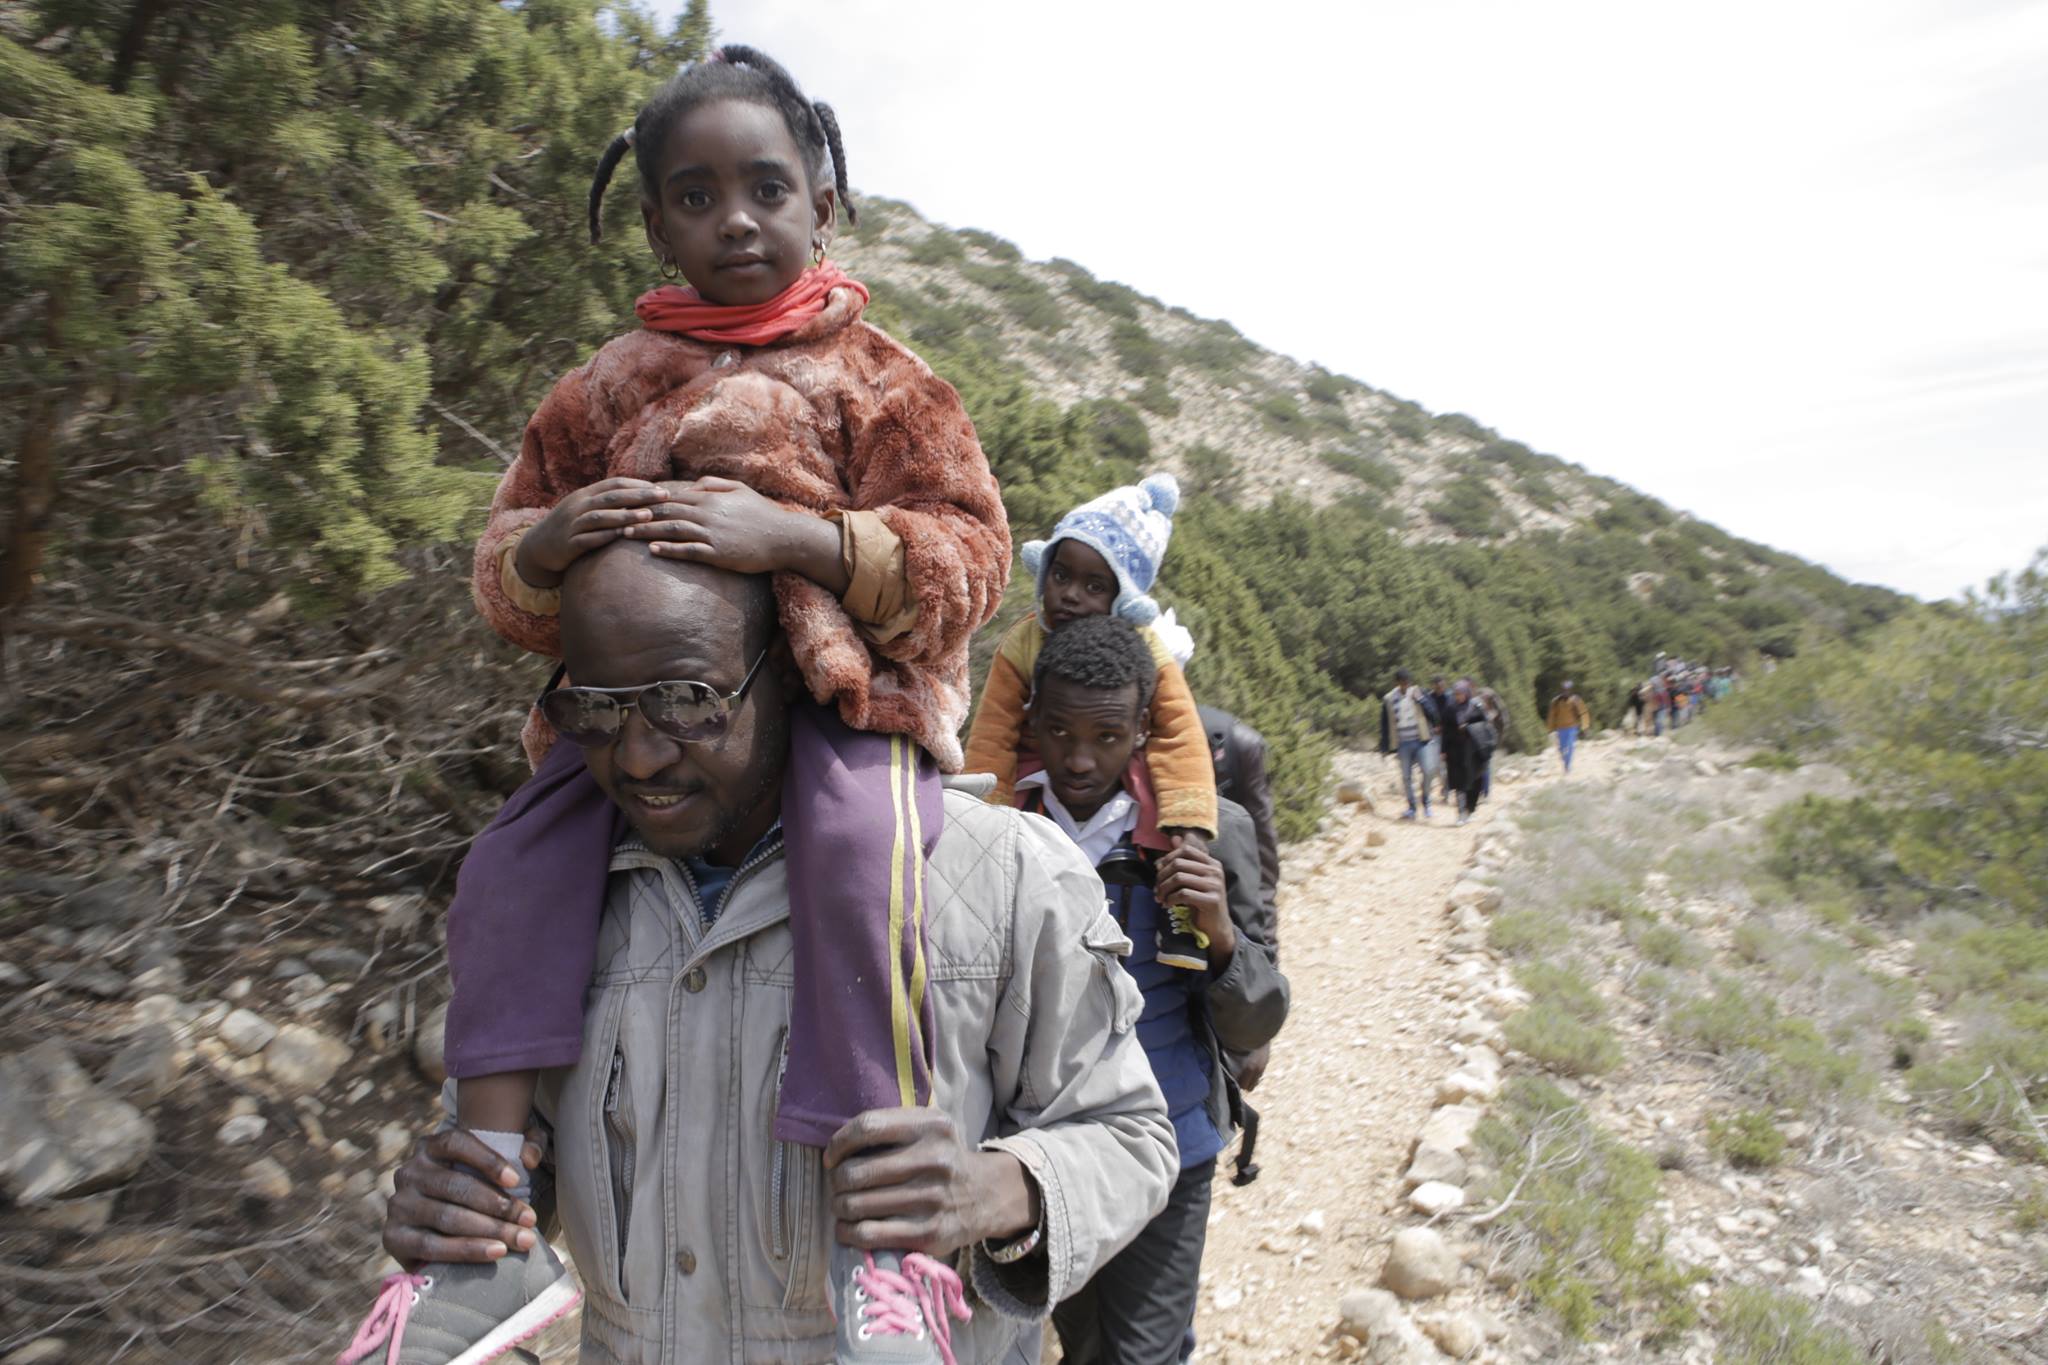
[699, 1238]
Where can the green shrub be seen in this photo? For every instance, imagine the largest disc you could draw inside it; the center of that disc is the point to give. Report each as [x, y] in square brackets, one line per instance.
[1458, 424]
[1797, 1064]
[2030, 1207]
[1667, 945]
[1325, 387]
[1408, 422]
[1469, 508]
[937, 247]
[1137, 350]
[1117, 300]
[1219, 350]
[1552, 1037]
[1773, 761]
[1156, 396]
[1370, 470]
[1021, 294]
[998, 247]
[1764, 1327]
[1282, 414]
[1522, 932]
[1563, 986]
[1583, 1198]
[1212, 473]
[1749, 1140]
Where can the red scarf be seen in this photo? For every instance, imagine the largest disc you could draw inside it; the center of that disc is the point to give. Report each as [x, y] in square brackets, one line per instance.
[673, 308]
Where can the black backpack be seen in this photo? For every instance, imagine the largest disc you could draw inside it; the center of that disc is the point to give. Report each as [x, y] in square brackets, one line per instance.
[1483, 739]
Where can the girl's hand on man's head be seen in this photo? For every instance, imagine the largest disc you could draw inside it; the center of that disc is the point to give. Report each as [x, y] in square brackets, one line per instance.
[587, 518]
[726, 524]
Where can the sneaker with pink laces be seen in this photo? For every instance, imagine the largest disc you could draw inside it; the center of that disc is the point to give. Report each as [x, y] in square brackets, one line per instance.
[464, 1314]
[894, 1308]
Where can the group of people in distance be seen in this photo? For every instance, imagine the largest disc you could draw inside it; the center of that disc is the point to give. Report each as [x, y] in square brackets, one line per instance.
[1446, 735]
[818, 1036]
[1676, 693]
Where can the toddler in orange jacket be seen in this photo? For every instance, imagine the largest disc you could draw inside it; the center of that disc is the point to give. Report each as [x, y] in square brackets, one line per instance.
[1102, 559]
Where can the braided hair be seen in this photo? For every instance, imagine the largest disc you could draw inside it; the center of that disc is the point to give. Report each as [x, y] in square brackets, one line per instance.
[732, 72]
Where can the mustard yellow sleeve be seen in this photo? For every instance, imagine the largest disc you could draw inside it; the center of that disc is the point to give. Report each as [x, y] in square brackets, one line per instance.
[522, 594]
[1177, 755]
[878, 593]
[999, 728]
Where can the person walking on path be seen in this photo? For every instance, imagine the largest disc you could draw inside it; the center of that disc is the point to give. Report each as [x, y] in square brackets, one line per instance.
[1089, 699]
[1635, 709]
[1568, 716]
[1438, 699]
[1047, 1145]
[1469, 742]
[1406, 728]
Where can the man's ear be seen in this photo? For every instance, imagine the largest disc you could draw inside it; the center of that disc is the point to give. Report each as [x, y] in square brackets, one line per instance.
[1144, 731]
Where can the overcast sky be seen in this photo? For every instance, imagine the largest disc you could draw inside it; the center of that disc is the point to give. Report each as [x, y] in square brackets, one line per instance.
[1782, 265]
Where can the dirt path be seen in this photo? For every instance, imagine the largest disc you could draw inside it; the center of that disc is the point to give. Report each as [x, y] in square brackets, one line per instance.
[1363, 933]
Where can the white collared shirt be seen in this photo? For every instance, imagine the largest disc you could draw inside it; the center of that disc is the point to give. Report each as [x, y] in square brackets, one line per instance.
[1102, 831]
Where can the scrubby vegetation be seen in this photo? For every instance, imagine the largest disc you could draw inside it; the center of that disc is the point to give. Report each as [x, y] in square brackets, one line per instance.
[1575, 1217]
[1943, 719]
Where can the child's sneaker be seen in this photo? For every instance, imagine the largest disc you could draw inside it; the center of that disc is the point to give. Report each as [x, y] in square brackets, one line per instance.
[894, 1308]
[464, 1314]
[1180, 943]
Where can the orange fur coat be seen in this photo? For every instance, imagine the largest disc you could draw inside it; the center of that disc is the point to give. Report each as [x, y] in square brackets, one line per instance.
[838, 417]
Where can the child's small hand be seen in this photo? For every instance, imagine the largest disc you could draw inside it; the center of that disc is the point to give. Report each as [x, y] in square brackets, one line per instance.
[581, 522]
[727, 524]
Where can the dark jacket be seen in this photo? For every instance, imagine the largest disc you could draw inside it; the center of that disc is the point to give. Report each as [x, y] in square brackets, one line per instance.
[1463, 760]
[1247, 1004]
[1241, 1009]
[1239, 753]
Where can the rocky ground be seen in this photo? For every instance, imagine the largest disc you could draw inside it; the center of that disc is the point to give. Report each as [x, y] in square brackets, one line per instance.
[1395, 1009]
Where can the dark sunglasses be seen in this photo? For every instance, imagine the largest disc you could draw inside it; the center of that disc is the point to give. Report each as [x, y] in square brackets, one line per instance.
[687, 712]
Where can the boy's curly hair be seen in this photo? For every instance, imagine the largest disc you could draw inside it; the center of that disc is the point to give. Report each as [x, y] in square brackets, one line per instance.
[1100, 652]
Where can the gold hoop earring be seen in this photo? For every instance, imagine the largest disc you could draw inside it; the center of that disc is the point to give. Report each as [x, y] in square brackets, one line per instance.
[669, 269]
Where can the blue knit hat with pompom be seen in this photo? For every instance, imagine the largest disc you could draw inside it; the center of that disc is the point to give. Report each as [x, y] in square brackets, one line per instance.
[1129, 528]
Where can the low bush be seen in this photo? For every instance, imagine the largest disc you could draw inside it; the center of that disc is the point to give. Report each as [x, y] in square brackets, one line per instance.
[1564, 986]
[1469, 508]
[1022, 295]
[1749, 1140]
[1282, 414]
[1325, 387]
[1408, 422]
[1550, 1035]
[1369, 470]
[1156, 396]
[1526, 932]
[1220, 351]
[999, 247]
[1667, 945]
[1117, 300]
[1581, 1232]
[1794, 1063]
[1764, 1327]
[1137, 350]
[937, 247]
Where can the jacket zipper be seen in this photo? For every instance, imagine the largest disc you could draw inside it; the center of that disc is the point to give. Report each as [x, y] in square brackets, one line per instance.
[778, 1171]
